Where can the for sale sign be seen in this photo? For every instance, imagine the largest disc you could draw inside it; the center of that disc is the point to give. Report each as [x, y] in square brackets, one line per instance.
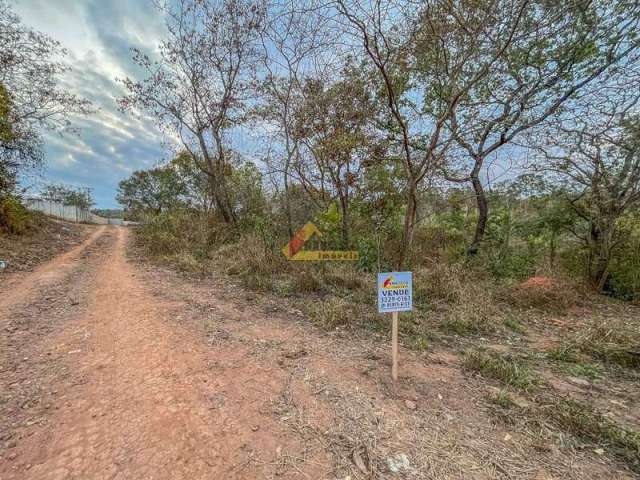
[395, 291]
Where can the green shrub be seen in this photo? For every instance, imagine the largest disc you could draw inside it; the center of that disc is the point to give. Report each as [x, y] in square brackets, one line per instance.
[592, 371]
[513, 265]
[624, 270]
[367, 254]
[514, 325]
[15, 219]
[624, 275]
[564, 353]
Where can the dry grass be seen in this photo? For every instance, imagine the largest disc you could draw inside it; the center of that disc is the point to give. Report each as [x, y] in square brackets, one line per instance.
[248, 257]
[366, 436]
[473, 315]
[584, 422]
[355, 439]
[464, 298]
[440, 283]
[509, 370]
[306, 281]
[369, 440]
[45, 239]
[547, 416]
[543, 293]
[613, 341]
[331, 313]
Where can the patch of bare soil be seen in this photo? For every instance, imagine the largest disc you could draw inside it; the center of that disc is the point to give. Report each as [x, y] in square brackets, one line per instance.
[46, 240]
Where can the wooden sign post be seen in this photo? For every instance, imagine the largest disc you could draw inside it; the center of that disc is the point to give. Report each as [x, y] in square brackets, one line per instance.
[395, 294]
[394, 346]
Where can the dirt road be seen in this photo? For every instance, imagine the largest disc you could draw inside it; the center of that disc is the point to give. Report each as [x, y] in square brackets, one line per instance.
[139, 399]
[113, 370]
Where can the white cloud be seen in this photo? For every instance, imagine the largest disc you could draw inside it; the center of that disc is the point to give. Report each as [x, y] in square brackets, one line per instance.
[98, 35]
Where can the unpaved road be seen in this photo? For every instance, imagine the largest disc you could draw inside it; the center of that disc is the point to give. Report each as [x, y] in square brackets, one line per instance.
[139, 403]
[112, 370]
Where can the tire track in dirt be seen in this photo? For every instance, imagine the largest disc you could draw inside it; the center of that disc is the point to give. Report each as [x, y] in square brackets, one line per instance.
[34, 374]
[19, 287]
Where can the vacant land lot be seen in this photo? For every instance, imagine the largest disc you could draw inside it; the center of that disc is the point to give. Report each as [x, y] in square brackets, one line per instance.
[112, 368]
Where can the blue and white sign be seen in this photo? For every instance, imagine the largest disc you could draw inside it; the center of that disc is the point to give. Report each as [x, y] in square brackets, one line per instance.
[395, 292]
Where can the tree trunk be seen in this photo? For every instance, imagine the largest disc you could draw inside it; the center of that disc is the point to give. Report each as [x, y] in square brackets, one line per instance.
[287, 201]
[552, 249]
[223, 190]
[602, 273]
[215, 176]
[600, 257]
[344, 206]
[225, 200]
[409, 225]
[220, 206]
[483, 214]
[287, 194]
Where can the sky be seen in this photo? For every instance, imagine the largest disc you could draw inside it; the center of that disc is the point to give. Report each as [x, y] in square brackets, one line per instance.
[98, 35]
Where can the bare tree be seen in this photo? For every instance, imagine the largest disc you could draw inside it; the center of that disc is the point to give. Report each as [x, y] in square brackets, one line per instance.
[292, 41]
[556, 52]
[332, 124]
[199, 87]
[427, 59]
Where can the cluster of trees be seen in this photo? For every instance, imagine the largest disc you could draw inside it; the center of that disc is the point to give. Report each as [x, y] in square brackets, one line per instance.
[80, 197]
[370, 106]
[181, 184]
